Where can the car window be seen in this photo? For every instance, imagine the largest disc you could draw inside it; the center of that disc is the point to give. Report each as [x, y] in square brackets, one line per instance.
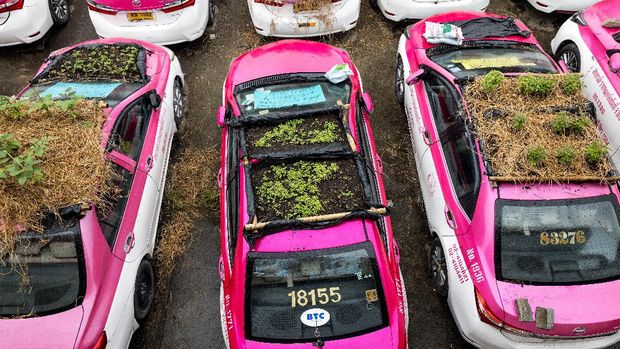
[444, 104]
[462, 164]
[110, 217]
[130, 129]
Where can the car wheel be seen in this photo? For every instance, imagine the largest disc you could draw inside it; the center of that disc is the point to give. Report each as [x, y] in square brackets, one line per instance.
[144, 292]
[569, 53]
[179, 103]
[438, 267]
[59, 9]
[399, 81]
[211, 11]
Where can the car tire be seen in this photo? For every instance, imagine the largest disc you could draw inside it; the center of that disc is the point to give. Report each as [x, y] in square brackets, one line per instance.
[438, 267]
[179, 104]
[373, 4]
[144, 292]
[211, 12]
[569, 53]
[399, 81]
[60, 12]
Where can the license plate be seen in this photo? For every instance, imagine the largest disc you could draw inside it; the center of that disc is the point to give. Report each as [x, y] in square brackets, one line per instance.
[140, 16]
[306, 6]
[307, 25]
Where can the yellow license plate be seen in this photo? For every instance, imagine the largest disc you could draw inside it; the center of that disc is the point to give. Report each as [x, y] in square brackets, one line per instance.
[140, 16]
[306, 6]
[307, 25]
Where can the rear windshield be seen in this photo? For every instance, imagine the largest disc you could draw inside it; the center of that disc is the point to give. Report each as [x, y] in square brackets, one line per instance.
[292, 96]
[111, 92]
[43, 276]
[470, 62]
[288, 292]
[559, 241]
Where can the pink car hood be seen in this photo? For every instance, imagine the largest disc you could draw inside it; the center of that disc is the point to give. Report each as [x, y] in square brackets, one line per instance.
[52, 331]
[594, 307]
[381, 339]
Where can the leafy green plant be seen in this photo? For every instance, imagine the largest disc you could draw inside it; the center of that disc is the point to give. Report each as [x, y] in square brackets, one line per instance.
[570, 84]
[21, 164]
[12, 106]
[596, 153]
[564, 123]
[519, 121]
[532, 85]
[492, 80]
[291, 133]
[565, 155]
[537, 155]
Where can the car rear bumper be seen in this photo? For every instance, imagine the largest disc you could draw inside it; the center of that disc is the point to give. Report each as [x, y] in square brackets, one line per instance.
[398, 10]
[295, 26]
[27, 25]
[187, 24]
[549, 6]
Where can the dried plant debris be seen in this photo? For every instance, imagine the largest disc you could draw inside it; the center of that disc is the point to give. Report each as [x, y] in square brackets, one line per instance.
[50, 158]
[536, 126]
[306, 189]
[97, 62]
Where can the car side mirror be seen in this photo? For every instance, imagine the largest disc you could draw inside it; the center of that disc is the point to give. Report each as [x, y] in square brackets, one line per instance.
[155, 100]
[415, 77]
[614, 62]
[367, 102]
[221, 116]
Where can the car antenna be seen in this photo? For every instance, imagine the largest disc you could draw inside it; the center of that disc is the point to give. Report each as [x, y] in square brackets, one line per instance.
[319, 343]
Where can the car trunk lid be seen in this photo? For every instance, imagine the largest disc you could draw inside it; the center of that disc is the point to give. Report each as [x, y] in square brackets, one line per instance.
[52, 331]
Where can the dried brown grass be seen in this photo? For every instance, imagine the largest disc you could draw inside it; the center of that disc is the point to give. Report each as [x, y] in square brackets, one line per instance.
[74, 167]
[507, 148]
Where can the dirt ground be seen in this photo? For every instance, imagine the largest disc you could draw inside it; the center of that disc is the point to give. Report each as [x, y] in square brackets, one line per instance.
[190, 310]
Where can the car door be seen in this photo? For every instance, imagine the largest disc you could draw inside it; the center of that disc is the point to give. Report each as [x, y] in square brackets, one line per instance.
[229, 183]
[130, 146]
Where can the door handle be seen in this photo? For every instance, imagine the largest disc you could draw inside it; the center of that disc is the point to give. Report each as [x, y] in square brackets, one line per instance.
[148, 165]
[450, 218]
[219, 178]
[427, 137]
[220, 269]
[130, 241]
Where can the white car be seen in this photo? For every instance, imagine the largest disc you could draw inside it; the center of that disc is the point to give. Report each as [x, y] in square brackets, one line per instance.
[161, 22]
[291, 19]
[549, 6]
[26, 21]
[585, 44]
[398, 10]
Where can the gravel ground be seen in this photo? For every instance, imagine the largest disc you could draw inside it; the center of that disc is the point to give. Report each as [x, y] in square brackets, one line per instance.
[190, 312]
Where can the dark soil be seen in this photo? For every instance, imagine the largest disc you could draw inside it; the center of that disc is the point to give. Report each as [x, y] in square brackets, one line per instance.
[312, 123]
[332, 191]
[97, 62]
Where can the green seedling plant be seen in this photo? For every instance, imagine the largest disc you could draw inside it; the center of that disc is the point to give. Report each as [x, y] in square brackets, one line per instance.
[13, 107]
[290, 133]
[596, 153]
[22, 165]
[296, 184]
[538, 86]
[571, 84]
[519, 121]
[492, 80]
[536, 156]
[566, 156]
[566, 124]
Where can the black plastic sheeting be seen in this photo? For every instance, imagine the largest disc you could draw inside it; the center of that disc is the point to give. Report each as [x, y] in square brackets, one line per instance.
[327, 152]
[486, 27]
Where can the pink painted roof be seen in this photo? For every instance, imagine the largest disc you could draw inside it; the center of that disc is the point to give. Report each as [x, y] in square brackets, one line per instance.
[285, 56]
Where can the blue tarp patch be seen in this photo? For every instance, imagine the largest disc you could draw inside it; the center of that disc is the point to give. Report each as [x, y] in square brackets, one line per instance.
[82, 89]
[287, 98]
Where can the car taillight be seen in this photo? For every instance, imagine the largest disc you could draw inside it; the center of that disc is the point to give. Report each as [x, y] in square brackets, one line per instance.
[177, 5]
[100, 8]
[487, 316]
[102, 342]
[12, 5]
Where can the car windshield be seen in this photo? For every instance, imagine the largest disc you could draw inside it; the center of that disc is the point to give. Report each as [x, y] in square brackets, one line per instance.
[288, 292]
[559, 241]
[43, 275]
[110, 91]
[292, 96]
[469, 62]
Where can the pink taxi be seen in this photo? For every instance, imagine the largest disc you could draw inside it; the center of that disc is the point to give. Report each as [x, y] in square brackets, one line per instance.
[328, 280]
[489, 253]
[589, 43]
[91, 279]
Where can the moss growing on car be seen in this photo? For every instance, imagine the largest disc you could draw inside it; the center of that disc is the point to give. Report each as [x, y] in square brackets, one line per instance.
[492, 80]
[534, 85]
[290, 132]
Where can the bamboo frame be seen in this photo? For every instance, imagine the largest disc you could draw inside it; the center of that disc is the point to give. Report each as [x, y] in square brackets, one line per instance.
[314, 219]
[554, 179]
